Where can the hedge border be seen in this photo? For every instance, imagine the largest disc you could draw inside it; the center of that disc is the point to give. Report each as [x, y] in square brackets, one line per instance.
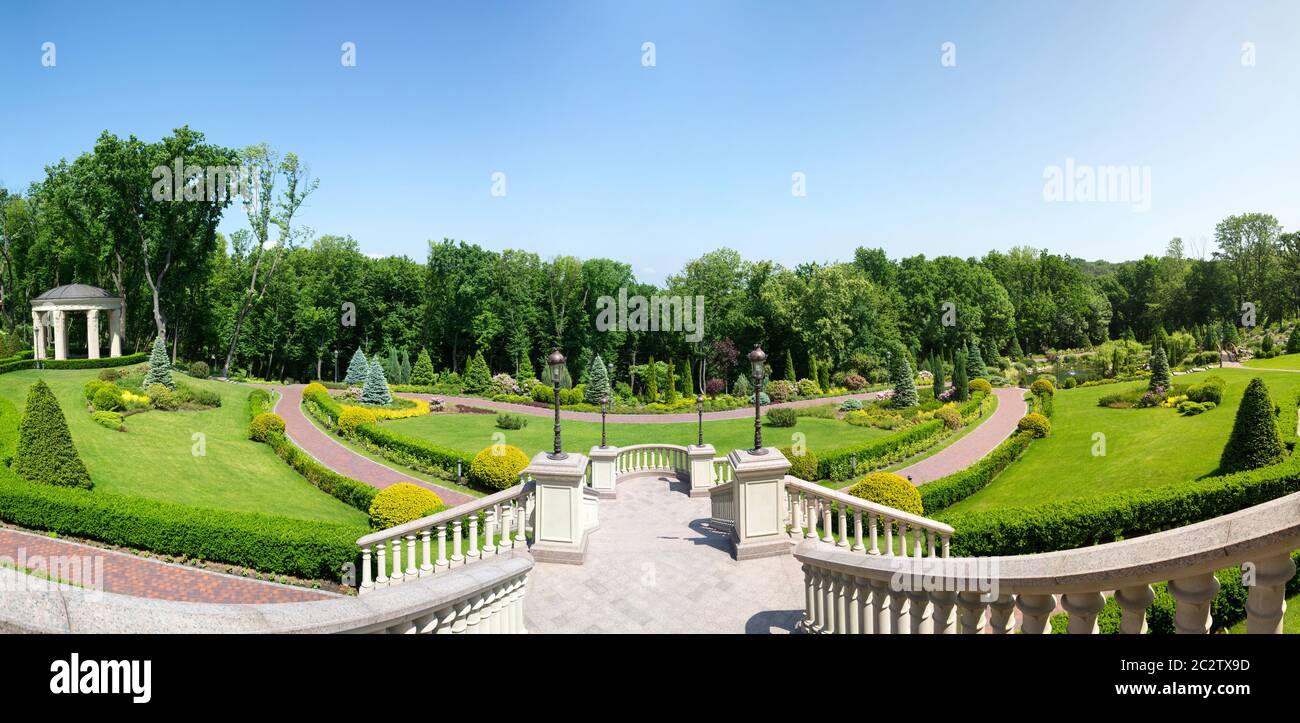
[102, 363]
[837, 464]
[945, 492]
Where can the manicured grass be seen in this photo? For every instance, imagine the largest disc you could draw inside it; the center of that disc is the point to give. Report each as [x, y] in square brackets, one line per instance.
[1290, 619]
[1288, 361]
[473, 432]
[1143, 447]
[154, 457]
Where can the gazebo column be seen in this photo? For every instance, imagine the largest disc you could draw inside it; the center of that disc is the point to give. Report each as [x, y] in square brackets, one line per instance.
[38, 336]
[60, 334]
[92, 333]
[115, 332]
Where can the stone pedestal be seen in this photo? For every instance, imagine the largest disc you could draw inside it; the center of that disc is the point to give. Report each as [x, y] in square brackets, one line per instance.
[701, 467]
[565, 511]
[602, 471]
[760, 500]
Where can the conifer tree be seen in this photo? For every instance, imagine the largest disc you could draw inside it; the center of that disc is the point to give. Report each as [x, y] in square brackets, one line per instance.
[789, 368]
[375, 390]
[597, 382]
[477, 377]
[688, 383]
[358, 368]
[652, 383]
[1160, 376]
[422, 372]
[1255, 441]
[936, 368]
[960, 381]
[975, 368]
[903, 378]
[45, 453]
[670, 397]
[160, 366]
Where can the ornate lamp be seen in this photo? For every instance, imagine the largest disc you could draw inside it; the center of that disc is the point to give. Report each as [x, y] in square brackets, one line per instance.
[758, 366]
[555, 363]
[604, 409]
[699, 408]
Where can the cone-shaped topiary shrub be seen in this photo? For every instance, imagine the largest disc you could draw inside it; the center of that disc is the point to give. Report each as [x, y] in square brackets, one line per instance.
[1255, 441]
[497, 467]
[478, 378]
[422, 372]
[975, 368]
[903, 378]
[375, 390]
[597, 381]
[160, 367]
[1293, 342]
[1161, 378]
[358, 368]
[890, 490]
[402, 503]
[45, 453]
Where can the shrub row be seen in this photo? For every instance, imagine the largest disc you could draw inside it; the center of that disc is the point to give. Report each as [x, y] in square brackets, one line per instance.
[279, 545]
[1106, 518]
[353, 492]
[112, 361]
[837, 464]
[948, 491]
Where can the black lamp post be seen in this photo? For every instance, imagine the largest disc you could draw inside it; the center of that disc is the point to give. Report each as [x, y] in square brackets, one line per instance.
[757, 366]
[699, 408]
[555, 362]
[604, 409]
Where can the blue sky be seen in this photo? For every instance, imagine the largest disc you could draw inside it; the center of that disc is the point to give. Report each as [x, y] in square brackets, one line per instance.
[605, 157]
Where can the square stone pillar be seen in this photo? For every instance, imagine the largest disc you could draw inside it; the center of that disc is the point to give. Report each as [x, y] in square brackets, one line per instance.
[602, 471]
[563, 516]
[760, 504]
[115, 332]
[92, 333]
[701, 466]
[60, 334]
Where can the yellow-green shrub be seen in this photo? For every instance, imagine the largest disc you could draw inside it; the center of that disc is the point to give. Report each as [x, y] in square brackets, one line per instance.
[497, 467]
[980, 385]
[1035, 423]
[950, 417]
[264, 425]
[1042, 386]
[890, 490]
[803, 466]
[402, 503]
[353, 417]
[314, 388]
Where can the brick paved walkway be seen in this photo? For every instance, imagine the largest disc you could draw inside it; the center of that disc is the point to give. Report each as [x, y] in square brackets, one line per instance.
[331, 453]
[971, 448]
[654, 566]
[128, 574]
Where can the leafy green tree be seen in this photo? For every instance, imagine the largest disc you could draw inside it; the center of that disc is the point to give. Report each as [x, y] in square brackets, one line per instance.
[421, 373]
[375, 390]
[160, 366]
[45, 453]
[358, 368]
[1255, 441]
[597, 382]
[478, 378]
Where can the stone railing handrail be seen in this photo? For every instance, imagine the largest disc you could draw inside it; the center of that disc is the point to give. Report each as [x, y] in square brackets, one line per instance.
[882, 512]
[1186, 557]
[483, 598]
[503, 510]
[635, 447]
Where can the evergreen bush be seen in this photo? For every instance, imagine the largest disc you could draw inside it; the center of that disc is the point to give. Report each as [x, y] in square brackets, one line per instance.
[1255, 441]
[45, 453]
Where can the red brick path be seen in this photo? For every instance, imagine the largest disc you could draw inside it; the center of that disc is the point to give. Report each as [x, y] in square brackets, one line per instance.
[127, 574]
[971, 448]
[331, 453]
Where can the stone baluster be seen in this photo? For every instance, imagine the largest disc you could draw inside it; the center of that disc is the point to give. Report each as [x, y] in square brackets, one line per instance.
[396, 577]
[1133, 604]
[930, 536]
[859, 606]
[873, 522]
[899, 622]
[442, 545]
[507, 516]
[1035, 613]
[366, 582]
[919, 610]
[489, 545]
[1083, 608]
[426, 553]
[474, 625]
[473, 536]
[827, 537]
[810, 507]
[844, 526]
[521, 522]
[446, 618]
[944, 602]
[880, 607]
[889, 535]
[456, 557]
[1001, 616]
[411, 572]
[1266, 601]
[970, 613]
[916, 541]
[462, 617]
[857, 531]
[945, 545]
[1193, 596]
[796, 525]
[382, 558]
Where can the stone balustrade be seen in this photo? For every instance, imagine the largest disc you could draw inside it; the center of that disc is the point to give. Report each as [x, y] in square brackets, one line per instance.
[641, 459]
[476, 530]
[484, 598]
[848, 592]
[809, 505]
[722, 471]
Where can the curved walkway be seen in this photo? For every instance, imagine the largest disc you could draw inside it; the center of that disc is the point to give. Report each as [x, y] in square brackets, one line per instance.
[978, 442]
[334, 455]
[741, 413]
[105, 570]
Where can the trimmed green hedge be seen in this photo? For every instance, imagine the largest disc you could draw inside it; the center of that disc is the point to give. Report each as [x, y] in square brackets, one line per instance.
[259, 402]
[112, 361]
[948, 491]
[837, 464]
[1106, 518]
[278, 545]
[353, 492]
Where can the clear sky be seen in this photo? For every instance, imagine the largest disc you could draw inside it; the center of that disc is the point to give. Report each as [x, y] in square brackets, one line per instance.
[604, 156]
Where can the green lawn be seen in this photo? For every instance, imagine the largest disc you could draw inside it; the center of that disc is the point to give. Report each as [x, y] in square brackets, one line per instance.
[1288, 361]
[1290, 619]
[473, 432]
[1144, 447]
[154, 458]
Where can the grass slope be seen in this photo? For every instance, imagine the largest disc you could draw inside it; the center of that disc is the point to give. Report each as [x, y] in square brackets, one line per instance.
[1144, 447]
[1288, 361]
[154, 460]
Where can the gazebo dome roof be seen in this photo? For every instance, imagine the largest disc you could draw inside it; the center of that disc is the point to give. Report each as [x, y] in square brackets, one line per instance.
[75, 291]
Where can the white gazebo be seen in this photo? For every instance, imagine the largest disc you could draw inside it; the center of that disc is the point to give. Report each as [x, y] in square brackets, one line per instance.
[50, 313]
